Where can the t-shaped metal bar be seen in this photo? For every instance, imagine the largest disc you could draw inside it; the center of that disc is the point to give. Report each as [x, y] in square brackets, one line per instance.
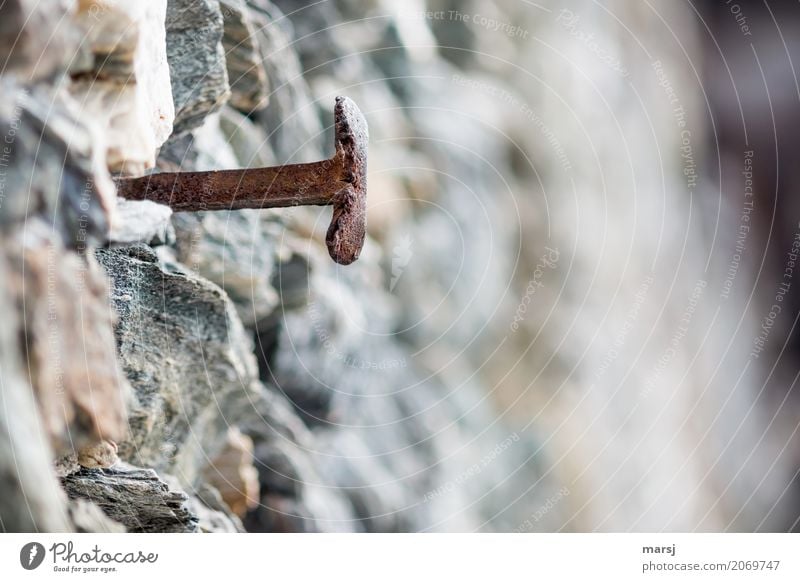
[340, 181]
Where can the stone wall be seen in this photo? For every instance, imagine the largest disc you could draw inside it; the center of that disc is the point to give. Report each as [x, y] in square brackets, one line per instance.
[211, 371]
[215, 371]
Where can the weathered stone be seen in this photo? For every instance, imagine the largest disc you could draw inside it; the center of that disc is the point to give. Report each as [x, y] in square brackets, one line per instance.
[248, 141]
[293, 497]
[134, 497]
[188, 359]
[231, 250]
[23, 26]
[69, 339]
[177, 154]
[280, 514]
[66, 464]
[232, 473]
[125, 89]
[278, 473]
[248, 79]
[87, 517]
[215, 516]
[376, 418]
[275, 419]
[322, 328]
[110, 36]
[316, 509]
[205, 148]
[290, 118]
[213, 150]
[31, 499]
[142, 221]
[196, 60]
[52, 167]
[321, 45]
[294, 269]
[98, 455]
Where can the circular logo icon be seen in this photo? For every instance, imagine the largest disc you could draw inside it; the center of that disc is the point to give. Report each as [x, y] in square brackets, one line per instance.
[31, 555]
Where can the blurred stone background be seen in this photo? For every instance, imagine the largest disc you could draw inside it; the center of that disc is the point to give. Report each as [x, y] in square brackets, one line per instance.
[561, 319]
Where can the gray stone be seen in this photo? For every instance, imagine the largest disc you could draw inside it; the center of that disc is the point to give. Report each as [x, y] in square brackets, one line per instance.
[275, 419]
[294, 268]
[318, 339]
[52, 168]
[248, 141]
[87, 517]
[397, 444]
[278, 473]
[248, 79]
[121, 80]
[134, 497]
[293, 497]
[66, 324]
[187, 357]
[177, 154]
[23, 26]
[321, 45]
[213, 514]
[31, 499]
[290, 118]
[142, 221]
[279, 514]
[230, 249]
[213, 152]
[66, 464]
[196, 61]
[232, 474]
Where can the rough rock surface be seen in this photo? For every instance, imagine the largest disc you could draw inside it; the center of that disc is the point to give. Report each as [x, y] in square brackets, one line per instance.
[374, 394]
[52, 167]
[247, 140]
[98, 455]
[231, 250]
[295, 133]
[233, 475]
[23, 25]
[30, 501]
[142, 221]
[248, 79]
[124, 80]
[73, 367]
[235, 322]
[134, 497]
[87, 517]
[196, 60]
[214, 516]
[186, 355]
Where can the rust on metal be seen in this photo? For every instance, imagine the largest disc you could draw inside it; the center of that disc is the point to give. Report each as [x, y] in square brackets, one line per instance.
[340, 181]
